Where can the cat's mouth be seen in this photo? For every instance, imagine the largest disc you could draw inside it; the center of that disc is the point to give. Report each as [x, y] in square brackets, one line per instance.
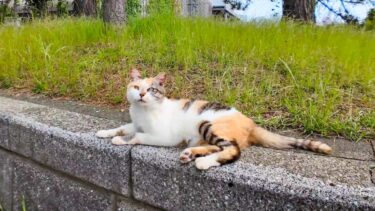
[141, 101]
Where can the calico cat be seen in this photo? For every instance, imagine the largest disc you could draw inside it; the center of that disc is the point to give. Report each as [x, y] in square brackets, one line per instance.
[215, 133]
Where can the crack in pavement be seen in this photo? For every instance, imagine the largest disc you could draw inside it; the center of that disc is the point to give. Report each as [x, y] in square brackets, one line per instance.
[373, 147]
[372, 175]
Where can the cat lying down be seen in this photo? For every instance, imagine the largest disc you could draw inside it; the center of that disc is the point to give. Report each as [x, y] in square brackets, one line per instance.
[215, 133]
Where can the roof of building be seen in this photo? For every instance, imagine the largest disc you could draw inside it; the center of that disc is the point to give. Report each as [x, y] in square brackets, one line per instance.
[219, 5]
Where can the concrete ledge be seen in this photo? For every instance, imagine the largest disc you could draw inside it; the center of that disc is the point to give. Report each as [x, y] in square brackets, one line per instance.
[77, 154]
[158, 179]
[51, 158]
[6, 174]
[40, 188]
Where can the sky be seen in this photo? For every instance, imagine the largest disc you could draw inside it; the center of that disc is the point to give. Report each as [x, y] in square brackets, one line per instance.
[262, 9]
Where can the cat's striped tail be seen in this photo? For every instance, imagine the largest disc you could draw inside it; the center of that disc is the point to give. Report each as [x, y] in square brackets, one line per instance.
[268, 139]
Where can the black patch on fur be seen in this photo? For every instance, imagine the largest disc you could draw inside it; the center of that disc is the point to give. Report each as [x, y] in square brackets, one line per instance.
[156, 91]
[201, 126]
[234, 157]
[187, 105]
[213, 106]
[223, 143]
[212, 139]
[306, 144]
[217, 141]
[205, 133]
[159, 91]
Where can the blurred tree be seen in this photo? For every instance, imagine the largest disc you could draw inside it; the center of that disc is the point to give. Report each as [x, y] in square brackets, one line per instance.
[299, 9]
[114, 11]
[85, 7]
[39, 7]
[62, 8]
[4, 12]
[369, 22]
[305, 9]
[133, 7]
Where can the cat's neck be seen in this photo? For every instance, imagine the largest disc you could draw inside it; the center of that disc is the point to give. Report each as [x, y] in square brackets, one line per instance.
[150, 108]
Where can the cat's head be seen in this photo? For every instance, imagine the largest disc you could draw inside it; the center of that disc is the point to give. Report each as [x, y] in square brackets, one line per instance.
[145, 91]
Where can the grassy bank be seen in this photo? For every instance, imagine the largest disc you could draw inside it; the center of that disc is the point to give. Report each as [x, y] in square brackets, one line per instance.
[285, 75]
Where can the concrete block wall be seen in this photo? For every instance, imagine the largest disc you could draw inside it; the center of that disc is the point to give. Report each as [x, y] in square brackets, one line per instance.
[51, 169]
[52, 163]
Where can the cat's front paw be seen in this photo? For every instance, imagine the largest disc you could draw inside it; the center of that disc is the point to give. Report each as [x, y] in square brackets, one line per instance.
[103, 134]
[134, 141]
[118, 140]
[186, 156]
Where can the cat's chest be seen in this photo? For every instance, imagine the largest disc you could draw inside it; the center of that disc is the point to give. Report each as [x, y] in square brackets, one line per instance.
[148, 122]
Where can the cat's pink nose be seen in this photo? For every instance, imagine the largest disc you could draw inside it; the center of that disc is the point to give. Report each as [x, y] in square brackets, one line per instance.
[142, 94]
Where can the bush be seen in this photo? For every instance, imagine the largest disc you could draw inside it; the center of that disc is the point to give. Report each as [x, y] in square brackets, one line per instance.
[370, 20]
[62, 8]
[133, 8]
[4, 12]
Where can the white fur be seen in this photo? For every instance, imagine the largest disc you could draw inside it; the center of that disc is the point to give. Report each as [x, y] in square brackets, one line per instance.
[168, 124]
[105, 133]
[126, 129]
[118, 140]
[206, 162]
[185, 155]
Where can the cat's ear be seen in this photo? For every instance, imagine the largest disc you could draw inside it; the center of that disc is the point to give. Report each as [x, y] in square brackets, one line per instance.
[160, 79]
[135, 74]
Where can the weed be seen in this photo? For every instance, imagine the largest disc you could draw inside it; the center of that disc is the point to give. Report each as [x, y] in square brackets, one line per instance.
[39, 87]
[5, 83]
[23, 203]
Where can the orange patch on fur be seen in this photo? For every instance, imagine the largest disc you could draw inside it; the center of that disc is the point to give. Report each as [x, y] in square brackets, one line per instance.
[236, 127]
[228, 154]
[205, 150]
[139, 82]
[149, 81]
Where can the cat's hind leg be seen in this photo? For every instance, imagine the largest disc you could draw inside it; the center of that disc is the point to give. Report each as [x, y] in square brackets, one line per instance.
[191, 153]
[127, 129]
[229, 153]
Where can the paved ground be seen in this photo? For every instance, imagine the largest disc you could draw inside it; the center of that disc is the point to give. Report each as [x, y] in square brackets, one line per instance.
[350, 164]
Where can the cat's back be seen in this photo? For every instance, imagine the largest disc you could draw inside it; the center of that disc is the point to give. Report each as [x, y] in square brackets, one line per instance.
[198, 110]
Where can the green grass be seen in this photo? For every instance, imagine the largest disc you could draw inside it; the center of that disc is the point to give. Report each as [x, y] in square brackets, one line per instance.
[317, 79]
[23, 203]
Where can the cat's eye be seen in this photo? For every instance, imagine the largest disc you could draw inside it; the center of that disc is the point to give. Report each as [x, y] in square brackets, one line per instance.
[152, 89]
[136, 87]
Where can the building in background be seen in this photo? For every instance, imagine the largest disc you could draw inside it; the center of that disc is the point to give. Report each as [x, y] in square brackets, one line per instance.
[223, 10]
[196, 8]
[206, 8]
